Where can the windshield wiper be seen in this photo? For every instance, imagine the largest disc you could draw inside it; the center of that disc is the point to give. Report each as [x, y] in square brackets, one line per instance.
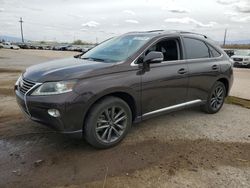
[94, 59]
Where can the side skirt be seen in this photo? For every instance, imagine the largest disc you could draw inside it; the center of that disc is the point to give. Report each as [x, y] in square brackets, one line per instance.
[172, 108]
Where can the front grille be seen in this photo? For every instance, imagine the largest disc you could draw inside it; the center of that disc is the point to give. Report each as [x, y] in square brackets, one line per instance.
[238, 59]
[25, 85]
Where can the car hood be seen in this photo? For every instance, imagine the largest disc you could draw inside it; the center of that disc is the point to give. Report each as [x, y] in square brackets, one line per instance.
[64, 69]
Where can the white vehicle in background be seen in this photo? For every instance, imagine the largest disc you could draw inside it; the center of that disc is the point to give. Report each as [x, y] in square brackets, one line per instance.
[241, 58]
[8, 45]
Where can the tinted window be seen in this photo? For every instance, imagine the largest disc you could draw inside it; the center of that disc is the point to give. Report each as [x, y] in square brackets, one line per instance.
[169, 48]
[214, 52]
[196, 49]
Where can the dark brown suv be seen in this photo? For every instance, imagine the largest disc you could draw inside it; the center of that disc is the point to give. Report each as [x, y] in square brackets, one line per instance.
[126, 79]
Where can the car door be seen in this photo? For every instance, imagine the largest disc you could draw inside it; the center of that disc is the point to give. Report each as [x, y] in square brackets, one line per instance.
[203, 62]
[165, 84]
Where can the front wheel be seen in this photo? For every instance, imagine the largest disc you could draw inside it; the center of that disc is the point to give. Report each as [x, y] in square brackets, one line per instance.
[108, 122]
[216, 98]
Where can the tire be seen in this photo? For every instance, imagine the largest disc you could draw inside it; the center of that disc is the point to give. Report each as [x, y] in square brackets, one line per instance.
[107, 123]
[215, 99]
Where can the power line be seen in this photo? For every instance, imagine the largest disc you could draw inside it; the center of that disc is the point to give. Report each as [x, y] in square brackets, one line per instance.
[21, 23]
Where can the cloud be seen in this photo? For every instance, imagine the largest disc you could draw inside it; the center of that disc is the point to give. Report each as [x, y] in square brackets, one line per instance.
[83, 29]
[2, 9]
[129, 12]
[90, 24]
[227, 2]
[188, 20]
[241, 19]
[243, 7]
[175, 9]
[231, 13]
[34, 9]
[76, 15]
[132, 21]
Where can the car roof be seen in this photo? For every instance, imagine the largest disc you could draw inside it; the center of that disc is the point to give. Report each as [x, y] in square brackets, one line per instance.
[174, 33]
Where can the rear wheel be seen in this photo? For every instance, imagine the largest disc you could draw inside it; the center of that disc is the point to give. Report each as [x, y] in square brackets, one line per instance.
[216, 98]
[107, 122]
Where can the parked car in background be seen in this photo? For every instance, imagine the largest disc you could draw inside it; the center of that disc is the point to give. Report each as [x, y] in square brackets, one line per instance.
[9, 45]
[74, 48]
[126, 79]
[241, 58]
[230, 52]
[47, 47]
[23, 45]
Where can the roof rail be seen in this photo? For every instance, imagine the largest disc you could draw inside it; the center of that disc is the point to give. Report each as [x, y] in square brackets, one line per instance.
[186, 32]
[159, 30]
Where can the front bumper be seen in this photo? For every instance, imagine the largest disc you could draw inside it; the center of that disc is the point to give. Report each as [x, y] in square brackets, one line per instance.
[70, 120]
[241, 63]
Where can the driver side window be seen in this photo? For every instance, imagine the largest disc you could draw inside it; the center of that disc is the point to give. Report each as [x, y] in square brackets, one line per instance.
[169, 48]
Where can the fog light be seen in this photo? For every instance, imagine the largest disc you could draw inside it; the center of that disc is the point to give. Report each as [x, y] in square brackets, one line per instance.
[54, 112]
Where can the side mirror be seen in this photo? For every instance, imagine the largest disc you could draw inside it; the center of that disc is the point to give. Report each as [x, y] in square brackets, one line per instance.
[153, 57]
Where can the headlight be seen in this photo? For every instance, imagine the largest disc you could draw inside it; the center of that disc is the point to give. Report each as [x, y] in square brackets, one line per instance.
[247, 59]
[52, 88]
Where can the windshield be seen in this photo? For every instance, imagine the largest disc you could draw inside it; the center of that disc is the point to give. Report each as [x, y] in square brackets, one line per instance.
[117, 49]
[242, 52]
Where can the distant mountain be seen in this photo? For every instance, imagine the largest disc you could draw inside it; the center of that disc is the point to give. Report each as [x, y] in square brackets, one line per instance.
[11, 39]
[237, 42]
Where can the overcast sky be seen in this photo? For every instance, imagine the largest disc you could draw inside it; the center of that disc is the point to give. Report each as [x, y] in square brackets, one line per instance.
[68, 20]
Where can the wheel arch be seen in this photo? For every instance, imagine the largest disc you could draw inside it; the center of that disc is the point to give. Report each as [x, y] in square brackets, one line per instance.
[226, 84]
[127, 97]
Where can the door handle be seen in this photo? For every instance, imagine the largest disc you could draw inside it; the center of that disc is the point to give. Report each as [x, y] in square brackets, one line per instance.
[182, 71]
[215, 67]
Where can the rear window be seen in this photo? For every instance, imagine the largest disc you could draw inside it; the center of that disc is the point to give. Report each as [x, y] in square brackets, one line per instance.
[214, 52]
[196, 49]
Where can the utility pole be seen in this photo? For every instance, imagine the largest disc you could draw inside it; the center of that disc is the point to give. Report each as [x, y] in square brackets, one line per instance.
[21, 23]
[225, 37]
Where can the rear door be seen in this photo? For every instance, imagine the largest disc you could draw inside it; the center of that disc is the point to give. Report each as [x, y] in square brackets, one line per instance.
[165, 84]
[203, 63]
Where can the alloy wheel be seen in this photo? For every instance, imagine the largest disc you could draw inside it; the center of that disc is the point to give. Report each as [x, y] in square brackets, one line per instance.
[111, 124]
[217, 98]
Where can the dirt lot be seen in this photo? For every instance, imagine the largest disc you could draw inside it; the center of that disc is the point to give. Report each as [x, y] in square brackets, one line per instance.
[182, 149]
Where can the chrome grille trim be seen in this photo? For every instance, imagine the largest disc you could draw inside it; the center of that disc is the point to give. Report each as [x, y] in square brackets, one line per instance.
[238, 59]
[24, 85]
[25, 97]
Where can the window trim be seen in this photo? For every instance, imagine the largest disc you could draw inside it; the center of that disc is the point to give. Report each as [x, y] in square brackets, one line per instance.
[182, 45]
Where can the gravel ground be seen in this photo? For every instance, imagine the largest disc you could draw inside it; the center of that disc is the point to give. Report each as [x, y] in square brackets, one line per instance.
[183, 149]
